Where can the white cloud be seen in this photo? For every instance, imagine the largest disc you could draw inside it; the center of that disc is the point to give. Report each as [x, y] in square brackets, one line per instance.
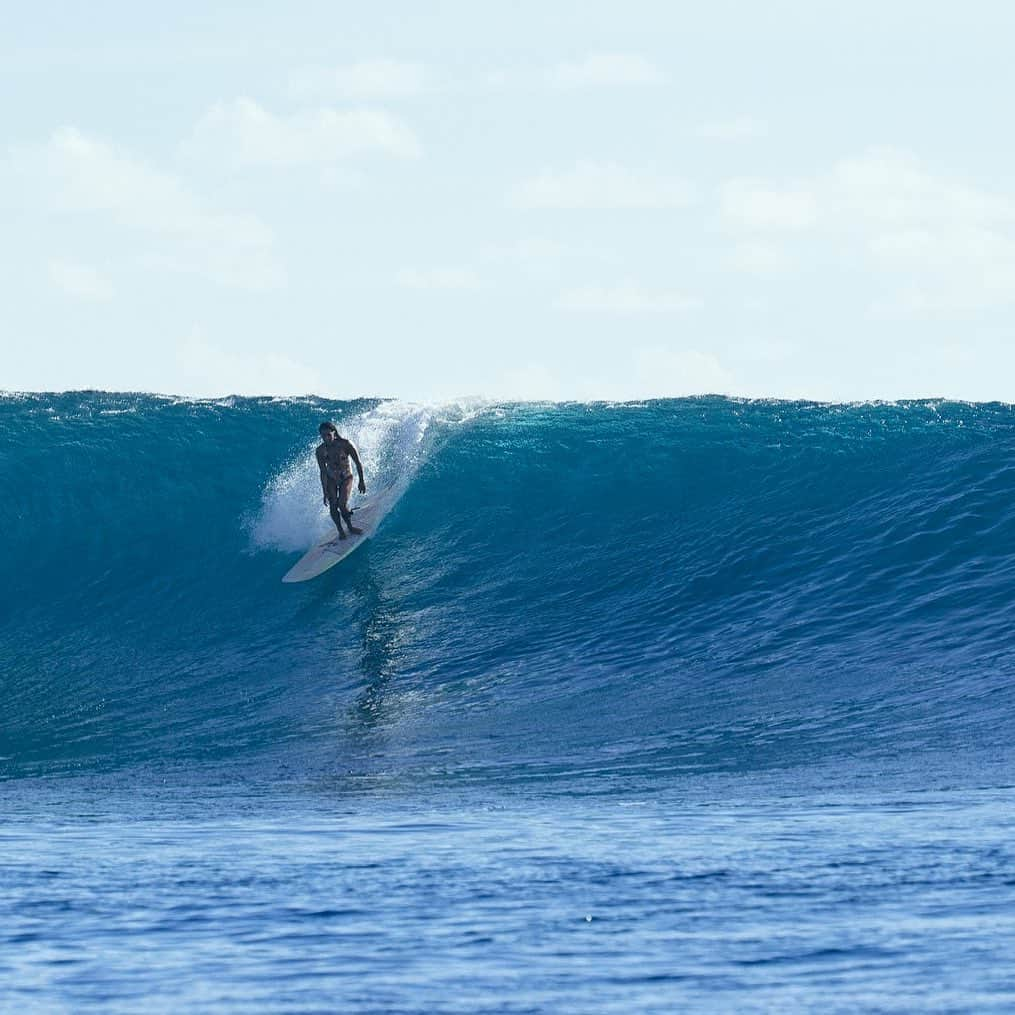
[890, 186]
[81, 281]
[765, 350]
[592, 71]
[606, 69]
[532, 382]
[757, 205]
[500, 78]
[742, 129]
[242, 133]
[991, 253]
[368, 79]
[592, 185]
[626, 298]
[882, 186]
[533, 248]
[542, 256]
[943, 244]
[73, 174]
[207, 371]
[757, 258]
[645, 372]
[660, 372]
[953, 244]
[438, 278]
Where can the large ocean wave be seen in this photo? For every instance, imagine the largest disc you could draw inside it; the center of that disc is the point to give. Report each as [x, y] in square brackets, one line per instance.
[600, 591]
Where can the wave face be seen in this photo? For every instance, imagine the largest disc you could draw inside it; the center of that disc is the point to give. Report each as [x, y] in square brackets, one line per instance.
[577, 592]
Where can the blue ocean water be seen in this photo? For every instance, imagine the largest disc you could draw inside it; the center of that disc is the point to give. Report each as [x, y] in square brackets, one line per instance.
[699, 704]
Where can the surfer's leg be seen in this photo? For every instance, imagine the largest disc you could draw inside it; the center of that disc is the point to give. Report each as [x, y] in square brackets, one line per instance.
[334, 507]
[343, 505]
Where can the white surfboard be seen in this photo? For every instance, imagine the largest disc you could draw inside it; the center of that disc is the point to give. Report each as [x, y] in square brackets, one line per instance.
[329, 550]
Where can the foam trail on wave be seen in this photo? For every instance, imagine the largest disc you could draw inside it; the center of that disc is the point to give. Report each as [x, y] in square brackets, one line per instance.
[389, 439]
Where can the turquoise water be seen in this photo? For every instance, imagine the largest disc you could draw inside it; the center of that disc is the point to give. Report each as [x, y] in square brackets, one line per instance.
[698, 703]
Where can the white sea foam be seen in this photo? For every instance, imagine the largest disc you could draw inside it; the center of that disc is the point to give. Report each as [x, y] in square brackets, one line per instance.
[389, 439]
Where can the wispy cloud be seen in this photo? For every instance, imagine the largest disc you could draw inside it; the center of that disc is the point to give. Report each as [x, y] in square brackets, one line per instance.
[73, 173]
[626, 298]
[892, 186]
[660, 371]
[81, 281]
[604, 186]
[764, 350]
[242, 133]
[208, 370]
[537, 248]
[595, 70]
[741, 129]
[758, 205]
[598, 69]
[754, 257]
[368, 79]
[438, 278]
[542, 257]
[654, 371]
[947, 245]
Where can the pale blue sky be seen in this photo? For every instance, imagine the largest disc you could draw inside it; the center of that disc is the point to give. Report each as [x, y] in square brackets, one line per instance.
[535, 200]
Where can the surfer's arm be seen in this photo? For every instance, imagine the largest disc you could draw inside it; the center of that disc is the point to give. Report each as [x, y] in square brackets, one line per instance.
[359, 466]
[324, 474]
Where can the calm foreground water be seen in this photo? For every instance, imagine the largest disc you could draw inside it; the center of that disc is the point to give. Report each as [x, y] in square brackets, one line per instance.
[487, 904]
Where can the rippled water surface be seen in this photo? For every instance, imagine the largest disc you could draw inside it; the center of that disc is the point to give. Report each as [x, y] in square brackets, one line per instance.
[479, 904]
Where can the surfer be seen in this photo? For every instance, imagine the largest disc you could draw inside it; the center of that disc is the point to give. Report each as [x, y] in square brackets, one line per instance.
[336, 477]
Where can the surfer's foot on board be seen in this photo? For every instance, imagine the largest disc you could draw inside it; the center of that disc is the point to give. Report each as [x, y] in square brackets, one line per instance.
[355, 531]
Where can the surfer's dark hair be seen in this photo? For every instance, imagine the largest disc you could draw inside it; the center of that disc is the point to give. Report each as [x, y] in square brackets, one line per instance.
[324, 427]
